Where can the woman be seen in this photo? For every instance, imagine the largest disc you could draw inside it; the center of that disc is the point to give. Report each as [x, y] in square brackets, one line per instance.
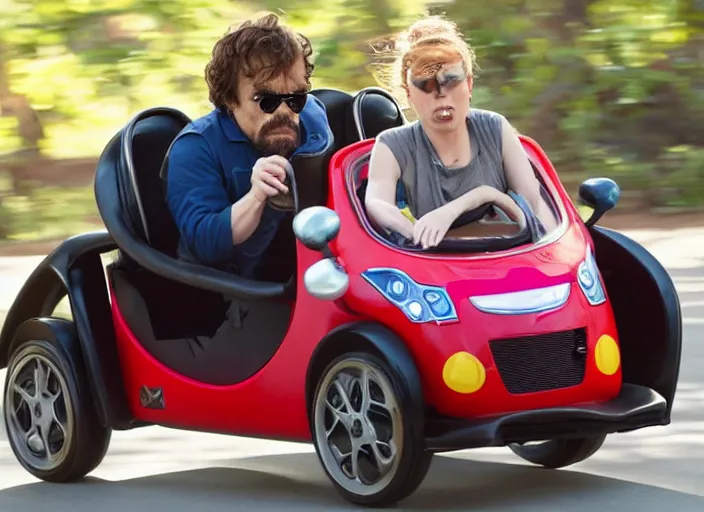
[453, 159]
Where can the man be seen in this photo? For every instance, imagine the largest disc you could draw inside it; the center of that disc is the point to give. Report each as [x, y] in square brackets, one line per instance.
[224, 166]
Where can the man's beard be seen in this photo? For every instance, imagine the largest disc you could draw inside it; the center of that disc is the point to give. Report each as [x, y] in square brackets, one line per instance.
[280, 144]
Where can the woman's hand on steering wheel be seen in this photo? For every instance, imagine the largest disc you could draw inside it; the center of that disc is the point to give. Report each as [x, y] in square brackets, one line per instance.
[431, 228]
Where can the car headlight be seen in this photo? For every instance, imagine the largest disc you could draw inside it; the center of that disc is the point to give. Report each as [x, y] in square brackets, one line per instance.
[589, 280]
[420, 303]
[524, 302]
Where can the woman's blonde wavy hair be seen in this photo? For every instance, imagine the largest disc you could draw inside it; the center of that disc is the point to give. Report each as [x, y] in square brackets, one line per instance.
[422, 48]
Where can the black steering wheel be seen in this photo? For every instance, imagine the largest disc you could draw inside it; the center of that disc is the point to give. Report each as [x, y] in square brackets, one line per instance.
[535, 227]
[532, 231]
[472, 215]
[286, 202]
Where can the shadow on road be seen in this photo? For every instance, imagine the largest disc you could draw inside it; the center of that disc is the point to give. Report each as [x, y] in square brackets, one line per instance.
[296, 482]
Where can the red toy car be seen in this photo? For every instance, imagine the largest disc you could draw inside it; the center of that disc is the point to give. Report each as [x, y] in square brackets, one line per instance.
[378, 352]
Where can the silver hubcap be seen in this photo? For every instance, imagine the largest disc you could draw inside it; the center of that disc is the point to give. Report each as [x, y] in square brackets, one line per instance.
[358, 427]
[38, 412]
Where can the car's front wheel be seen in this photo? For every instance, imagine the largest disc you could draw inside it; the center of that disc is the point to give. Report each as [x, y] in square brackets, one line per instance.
[558, 453]
[51, 425]
[363, 433]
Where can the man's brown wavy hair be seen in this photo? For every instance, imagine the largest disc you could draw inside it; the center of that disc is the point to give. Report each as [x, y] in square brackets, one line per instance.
[259, 49]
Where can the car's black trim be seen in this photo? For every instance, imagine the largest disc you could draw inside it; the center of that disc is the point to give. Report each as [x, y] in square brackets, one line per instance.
[58, 331]
[114, 162]
[371, 335]
[76, 268]
[337, 103]
[647, 311]
[107, 192]
[48, 284]
[386, 119]
[635, 407]
[127, 160]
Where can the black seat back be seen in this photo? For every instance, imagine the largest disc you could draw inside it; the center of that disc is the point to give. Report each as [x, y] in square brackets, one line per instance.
[312, 177]
[372, 111]
[362, 116]
[145, 142]
[337, 104]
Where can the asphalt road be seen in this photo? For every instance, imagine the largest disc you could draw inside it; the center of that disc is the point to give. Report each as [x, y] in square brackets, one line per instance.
[649, 470]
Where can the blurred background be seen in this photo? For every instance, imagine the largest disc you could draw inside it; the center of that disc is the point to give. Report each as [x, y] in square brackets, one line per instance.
[607, 87]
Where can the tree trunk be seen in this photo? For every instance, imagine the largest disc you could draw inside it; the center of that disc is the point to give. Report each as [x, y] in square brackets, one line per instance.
[17, 105]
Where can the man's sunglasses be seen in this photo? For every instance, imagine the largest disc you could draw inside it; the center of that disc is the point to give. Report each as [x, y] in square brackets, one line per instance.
[269, 102]
[445, 78]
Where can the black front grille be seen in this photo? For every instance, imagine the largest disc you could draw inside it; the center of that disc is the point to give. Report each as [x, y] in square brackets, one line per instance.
[540, 363]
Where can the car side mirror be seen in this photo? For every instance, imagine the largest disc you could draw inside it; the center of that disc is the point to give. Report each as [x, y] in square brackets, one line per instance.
[316, 227]
[598, 195]
[326, 280]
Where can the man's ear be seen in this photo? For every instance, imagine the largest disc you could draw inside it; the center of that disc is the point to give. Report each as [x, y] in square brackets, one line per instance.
[470, 84]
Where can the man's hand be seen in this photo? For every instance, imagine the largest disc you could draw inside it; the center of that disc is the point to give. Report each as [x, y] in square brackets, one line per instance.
[268, 176]
[432, 227]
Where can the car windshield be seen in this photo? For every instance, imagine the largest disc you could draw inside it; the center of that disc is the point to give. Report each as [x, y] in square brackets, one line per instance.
[486, 229]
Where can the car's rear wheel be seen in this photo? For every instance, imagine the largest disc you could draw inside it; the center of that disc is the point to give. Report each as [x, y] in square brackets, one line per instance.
[558, 453]
[363, 433]
[49, 417]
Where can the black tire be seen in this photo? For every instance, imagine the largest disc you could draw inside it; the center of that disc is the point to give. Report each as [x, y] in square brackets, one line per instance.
[88, 440]
[409, 465]
[559, 453]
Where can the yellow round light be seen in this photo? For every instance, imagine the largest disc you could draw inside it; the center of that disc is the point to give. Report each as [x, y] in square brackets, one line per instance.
[607, 355]
[463, 373]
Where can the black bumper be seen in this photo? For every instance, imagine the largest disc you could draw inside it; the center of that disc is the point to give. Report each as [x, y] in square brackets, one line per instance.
[635, 407]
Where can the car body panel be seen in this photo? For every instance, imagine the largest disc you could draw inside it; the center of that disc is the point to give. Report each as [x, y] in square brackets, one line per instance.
[647, 312]
[133, 388]
[279, 386]
[463, 276]
[75, 269]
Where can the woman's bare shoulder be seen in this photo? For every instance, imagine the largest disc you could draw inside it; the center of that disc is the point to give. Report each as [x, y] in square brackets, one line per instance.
[404, 132]
[482, 113]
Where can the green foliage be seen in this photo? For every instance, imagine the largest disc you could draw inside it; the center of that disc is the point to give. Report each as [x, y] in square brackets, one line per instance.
[607, 87]
[49, 213]
[89, 65]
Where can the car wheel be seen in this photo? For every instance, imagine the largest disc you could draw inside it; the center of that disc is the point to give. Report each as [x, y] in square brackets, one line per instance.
[558, 453]
[49, 417]
[363, 432]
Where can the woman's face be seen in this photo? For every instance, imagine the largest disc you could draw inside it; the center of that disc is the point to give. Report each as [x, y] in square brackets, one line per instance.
[440, 96]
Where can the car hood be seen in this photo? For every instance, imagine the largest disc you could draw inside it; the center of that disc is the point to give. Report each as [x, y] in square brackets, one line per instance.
[531, 268]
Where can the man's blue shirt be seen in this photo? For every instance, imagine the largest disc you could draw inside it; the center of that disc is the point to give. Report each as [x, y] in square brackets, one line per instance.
[210, 166]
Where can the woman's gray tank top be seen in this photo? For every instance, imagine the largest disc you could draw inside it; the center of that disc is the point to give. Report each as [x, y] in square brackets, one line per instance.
[428, 182]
